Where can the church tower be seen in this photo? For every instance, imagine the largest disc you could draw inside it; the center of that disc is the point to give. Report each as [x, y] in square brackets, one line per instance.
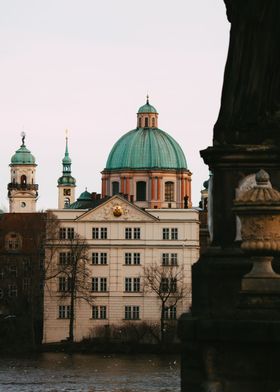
[22, 190]
[66, 183]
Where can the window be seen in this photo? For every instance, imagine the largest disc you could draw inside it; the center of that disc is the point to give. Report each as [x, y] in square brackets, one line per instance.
[64, 283]
[153, 122]
[103, 233]
[141, 191]
[164, 285]
[26, 266]
[13, 271]
[128, 258]
[140, 122]
[132, 258]
[12, 290]
[168, 285]
[23, 180]
[25, 284]
[136, 233]
[170, 313]
[132, 284]
[99, 284]
[174, 259]
[66, 233]
[13, 241]
[66, 202]
[146, 122]
[99, 258]
[169, 259]
[132, 312]
[95, 232]
[99, 312]
[165, 233]
[174, 233]
[99, 233]
[169, 191]
[1, 274]
[1, 293]
[115, 188]
[64, 311]
[94, 284]
[173, 285]
[128, 233]
[103, 284]
[165, 259]
[65, 258]
[168, 234]
[136, 284]
[128, 284]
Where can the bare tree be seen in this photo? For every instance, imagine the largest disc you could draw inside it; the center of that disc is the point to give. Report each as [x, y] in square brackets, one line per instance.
[72, 273]
[166, 282]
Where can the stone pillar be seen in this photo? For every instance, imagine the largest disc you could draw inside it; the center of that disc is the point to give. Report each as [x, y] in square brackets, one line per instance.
[227, 330]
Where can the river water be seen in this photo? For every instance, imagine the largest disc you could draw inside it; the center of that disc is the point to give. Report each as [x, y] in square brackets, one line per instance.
[55, 372]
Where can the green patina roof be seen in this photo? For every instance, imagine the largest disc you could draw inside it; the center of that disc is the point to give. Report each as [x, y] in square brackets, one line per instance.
[85, 201]
[66, 180]
[23, 157]
[146, 148]
[147, 108]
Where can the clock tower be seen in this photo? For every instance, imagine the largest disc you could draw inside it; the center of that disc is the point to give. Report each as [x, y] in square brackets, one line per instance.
[22, 190]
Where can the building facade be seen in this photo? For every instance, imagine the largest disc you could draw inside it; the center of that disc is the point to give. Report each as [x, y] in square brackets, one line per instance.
[121, 240]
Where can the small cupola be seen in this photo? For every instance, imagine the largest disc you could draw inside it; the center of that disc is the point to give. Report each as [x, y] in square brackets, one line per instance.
[147, 116]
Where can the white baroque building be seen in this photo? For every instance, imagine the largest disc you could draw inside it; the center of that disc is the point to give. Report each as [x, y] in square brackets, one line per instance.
[122, 239]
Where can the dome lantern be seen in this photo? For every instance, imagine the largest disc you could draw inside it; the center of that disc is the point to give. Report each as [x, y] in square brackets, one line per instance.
[147, 116]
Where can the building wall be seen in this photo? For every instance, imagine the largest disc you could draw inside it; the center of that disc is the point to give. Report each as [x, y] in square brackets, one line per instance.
[150, 246]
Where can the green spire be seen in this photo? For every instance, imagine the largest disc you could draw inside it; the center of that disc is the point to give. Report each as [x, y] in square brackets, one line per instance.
[66, 178]
[66, 162]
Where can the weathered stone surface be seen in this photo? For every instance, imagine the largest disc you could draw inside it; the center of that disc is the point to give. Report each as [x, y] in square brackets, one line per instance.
[250, 105]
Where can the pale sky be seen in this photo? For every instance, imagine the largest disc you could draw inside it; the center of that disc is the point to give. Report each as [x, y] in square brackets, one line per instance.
[87, 65]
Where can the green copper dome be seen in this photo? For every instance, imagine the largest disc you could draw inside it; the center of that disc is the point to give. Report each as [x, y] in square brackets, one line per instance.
[146, 148]
[23, 156]
[66, 180]
[147, 108]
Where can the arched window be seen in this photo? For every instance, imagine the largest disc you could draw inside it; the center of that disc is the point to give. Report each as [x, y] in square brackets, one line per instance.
[169, 191]
[115, 188]
[146, 122]
[66, 202]
[140, 122]
[23, 180]
[141, 191]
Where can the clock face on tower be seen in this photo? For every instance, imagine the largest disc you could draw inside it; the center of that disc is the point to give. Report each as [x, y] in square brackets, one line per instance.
[67, 192]
[23, 204]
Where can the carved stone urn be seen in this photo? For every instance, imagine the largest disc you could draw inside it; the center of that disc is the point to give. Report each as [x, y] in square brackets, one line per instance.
[259, 212]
